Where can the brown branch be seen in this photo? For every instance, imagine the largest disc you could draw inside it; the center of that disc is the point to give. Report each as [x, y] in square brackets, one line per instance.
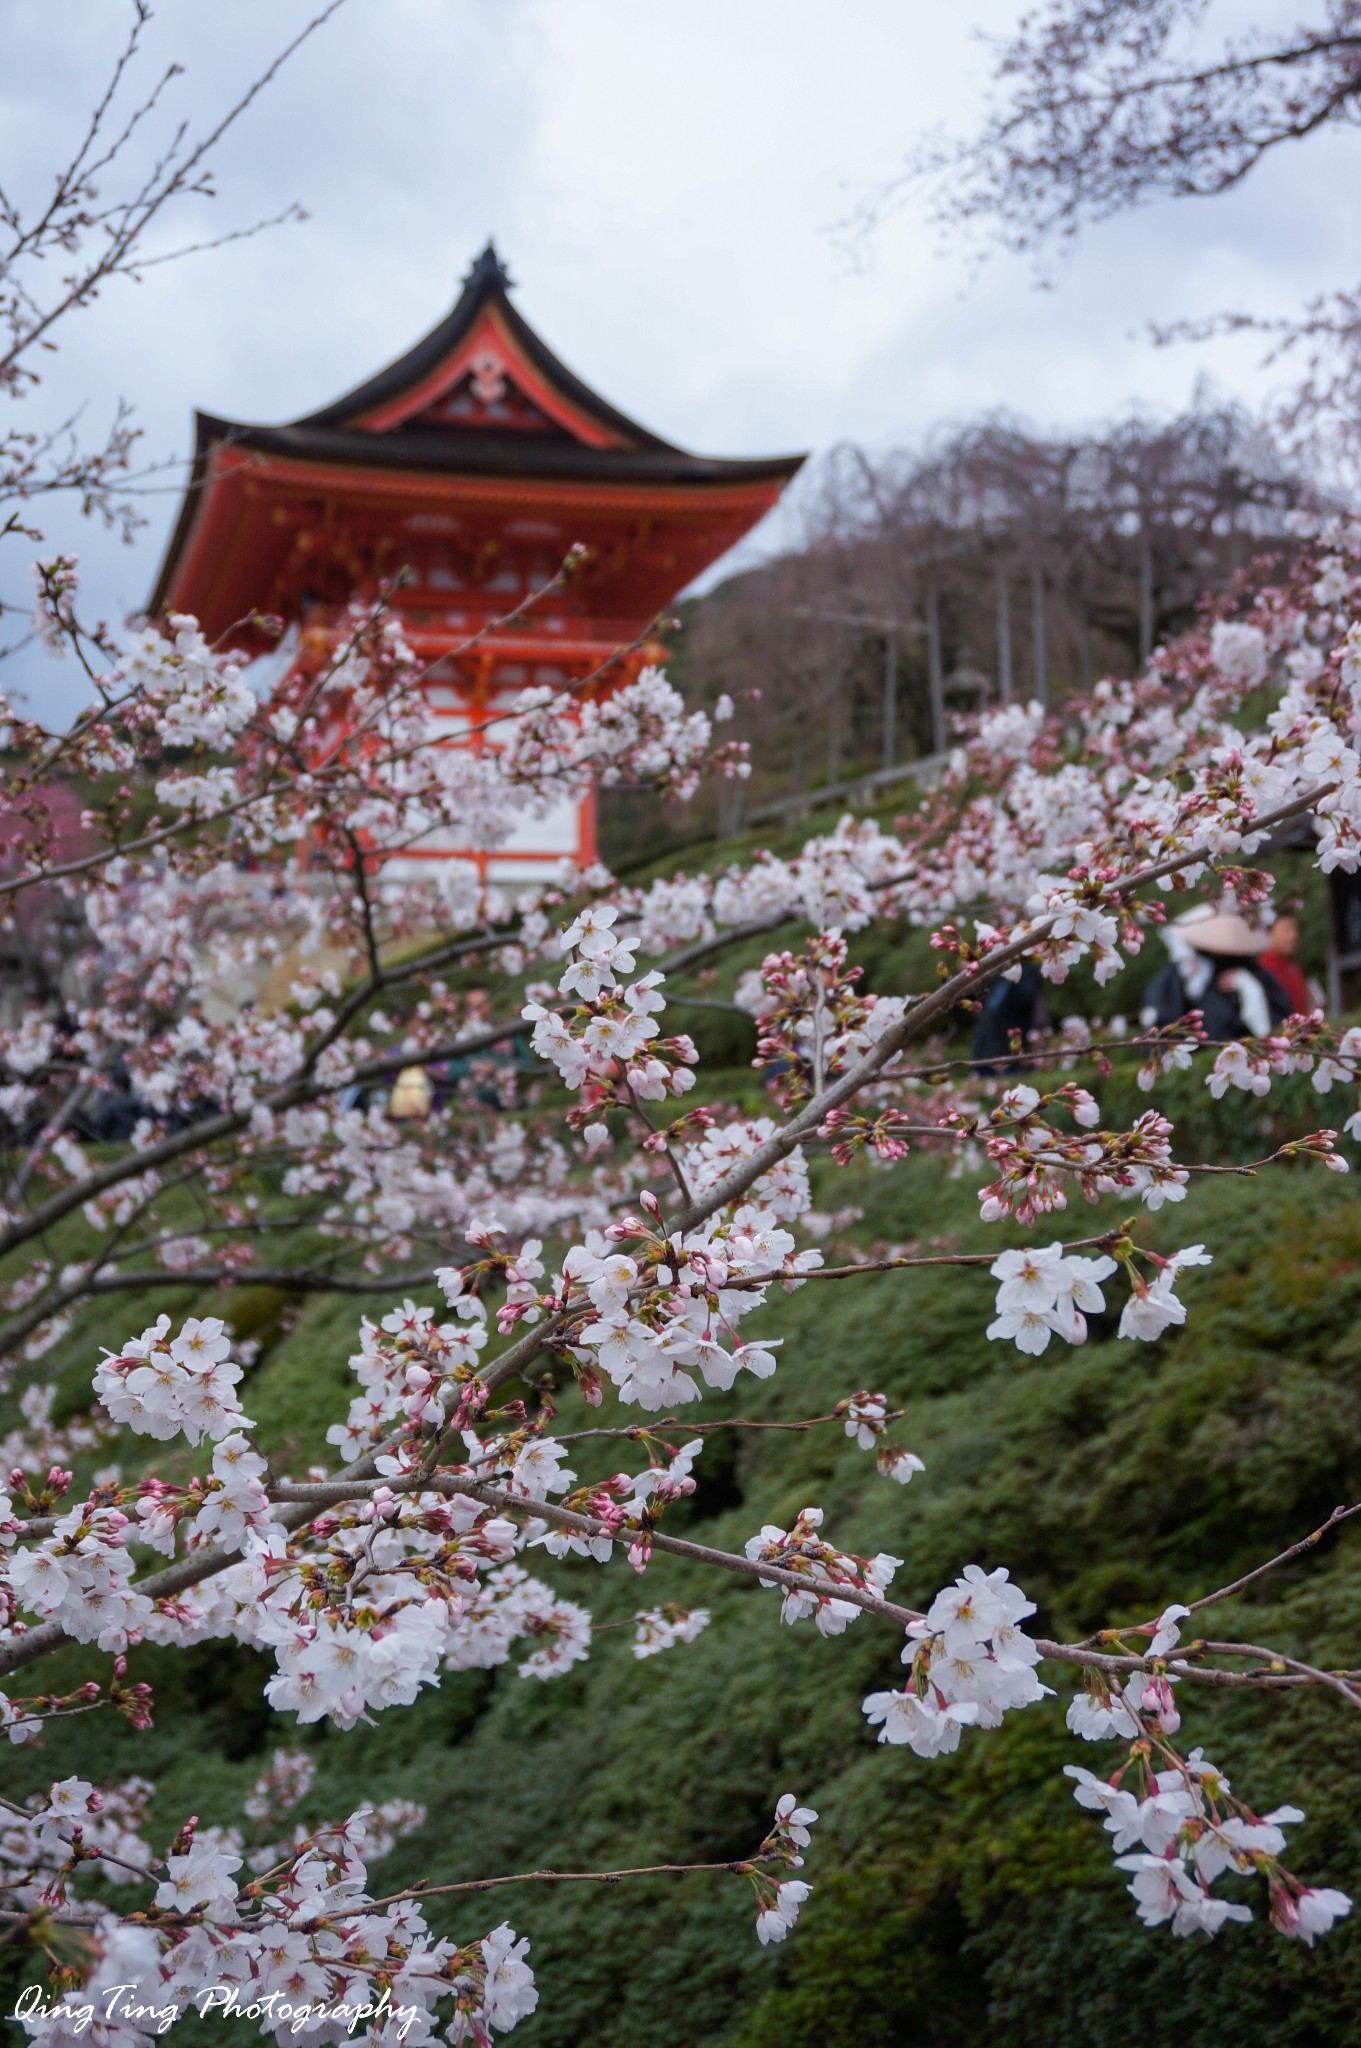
[421, 1890]
[329, 1493]
[1306, 1543]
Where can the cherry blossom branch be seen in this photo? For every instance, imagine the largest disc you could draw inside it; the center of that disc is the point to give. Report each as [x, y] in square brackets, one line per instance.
[1336, 1679]
[796, 1582]
[738, 1867]
[275, 778]
[639, 1431]
[330, 1493]
[161, 1917]
[925, 1009]
[1299, 1549]
[1102, 1242]
[138, 214]
[1305, 1544]
[920, 1013]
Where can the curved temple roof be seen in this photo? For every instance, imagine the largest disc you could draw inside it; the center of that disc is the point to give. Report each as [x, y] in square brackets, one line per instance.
[487, 284]
[480, 395]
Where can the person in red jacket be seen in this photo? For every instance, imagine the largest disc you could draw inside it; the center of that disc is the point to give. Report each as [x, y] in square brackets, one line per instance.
[1280, 959]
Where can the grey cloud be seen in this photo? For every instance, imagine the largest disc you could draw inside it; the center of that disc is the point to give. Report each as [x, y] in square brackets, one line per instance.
[661, 181]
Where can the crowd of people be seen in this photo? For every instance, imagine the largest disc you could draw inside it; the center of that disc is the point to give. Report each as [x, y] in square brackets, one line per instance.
[112, 1113]
[1242, 982]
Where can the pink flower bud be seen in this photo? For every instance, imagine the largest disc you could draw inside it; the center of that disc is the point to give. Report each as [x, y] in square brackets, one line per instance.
[1158, 1701]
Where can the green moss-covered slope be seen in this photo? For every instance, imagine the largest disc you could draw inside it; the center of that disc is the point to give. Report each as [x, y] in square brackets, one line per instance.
[958, 1898]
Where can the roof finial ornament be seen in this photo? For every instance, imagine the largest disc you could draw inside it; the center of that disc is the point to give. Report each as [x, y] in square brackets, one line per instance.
[489, 269]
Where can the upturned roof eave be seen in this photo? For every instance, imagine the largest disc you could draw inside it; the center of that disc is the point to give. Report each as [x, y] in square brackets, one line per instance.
[476, 451]
[190, 505]
[526, 458]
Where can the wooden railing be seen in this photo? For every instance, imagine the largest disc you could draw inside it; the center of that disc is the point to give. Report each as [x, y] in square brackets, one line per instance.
[850, 788]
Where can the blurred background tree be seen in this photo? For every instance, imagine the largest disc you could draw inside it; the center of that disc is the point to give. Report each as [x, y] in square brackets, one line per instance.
[990, 563]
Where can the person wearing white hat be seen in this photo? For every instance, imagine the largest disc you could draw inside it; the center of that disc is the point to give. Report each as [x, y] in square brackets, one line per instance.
[1216, 968]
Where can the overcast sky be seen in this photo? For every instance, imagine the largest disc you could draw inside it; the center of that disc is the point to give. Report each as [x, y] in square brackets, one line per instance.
[664, 182]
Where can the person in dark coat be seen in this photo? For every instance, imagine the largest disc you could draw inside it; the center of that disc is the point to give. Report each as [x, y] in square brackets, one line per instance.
[1009, 1006]
[1216, 968]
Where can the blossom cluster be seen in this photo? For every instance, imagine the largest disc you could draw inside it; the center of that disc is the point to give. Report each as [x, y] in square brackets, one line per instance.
[1048, 1292]
[609, 1039]
[867, 1425]
[803, 1552]
[1036, 1162]
[641, 731]
[812, 1022]
[80, 1577]
[779, 1899]
[658, 1628]
[304, 1938]
[186, 1386]
[660, 1319]
[1185, 1832]
[408, 1365]
[970, 1663]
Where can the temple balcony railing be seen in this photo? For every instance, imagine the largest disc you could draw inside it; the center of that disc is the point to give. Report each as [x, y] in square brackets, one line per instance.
[543, 633]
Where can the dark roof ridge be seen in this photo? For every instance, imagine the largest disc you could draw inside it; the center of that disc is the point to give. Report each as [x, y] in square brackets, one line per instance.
[461, 450]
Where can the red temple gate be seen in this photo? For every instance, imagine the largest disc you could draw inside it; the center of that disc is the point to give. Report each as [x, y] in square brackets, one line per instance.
[472, 464]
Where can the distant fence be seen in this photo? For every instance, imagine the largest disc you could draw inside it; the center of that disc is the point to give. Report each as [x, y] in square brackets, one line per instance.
[853, 787]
